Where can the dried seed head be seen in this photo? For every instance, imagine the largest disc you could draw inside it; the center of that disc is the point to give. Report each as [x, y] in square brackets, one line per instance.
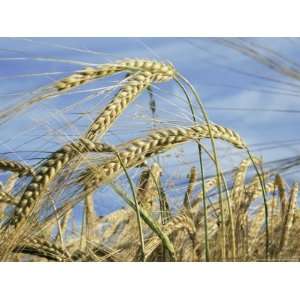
[161, 72]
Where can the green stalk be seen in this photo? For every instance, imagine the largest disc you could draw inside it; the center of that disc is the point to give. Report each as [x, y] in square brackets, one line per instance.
[137, 207]
[229, 207]
[198, 100]
[148, 220]
[162, 205]
[207, 255]
[262, 183]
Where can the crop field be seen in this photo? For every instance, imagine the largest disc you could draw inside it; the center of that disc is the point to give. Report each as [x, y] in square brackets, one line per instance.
[149, 149]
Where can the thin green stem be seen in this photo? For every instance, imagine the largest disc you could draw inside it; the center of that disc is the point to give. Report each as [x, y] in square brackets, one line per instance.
[198, 100]
[207, 255]
[137, 207]
[229, 207]
[148, 220]
[262, 183]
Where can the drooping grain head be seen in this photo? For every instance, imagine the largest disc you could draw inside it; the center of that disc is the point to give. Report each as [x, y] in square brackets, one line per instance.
[162, 72]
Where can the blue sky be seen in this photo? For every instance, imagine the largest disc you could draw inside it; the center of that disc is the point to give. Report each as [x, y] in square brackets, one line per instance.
[224, 78]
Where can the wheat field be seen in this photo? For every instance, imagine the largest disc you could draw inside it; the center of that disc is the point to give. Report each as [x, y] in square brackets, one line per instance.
[159, 168]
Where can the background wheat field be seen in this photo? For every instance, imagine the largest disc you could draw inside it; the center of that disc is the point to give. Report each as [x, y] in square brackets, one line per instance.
[149, 149]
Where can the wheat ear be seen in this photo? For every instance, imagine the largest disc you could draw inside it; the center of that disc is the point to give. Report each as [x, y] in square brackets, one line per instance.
[46, 173]
[16, 167]
[252, 192]
[239, 179]
[127, 94]
[42, 248]
[238, 197]
[7, 189]
[98, 253]
[147, 189]
[179, 222]
[257, 223]
[289, 217]
[135, 152]
[90, 217]
[209, 184]
[279, 182]
[192, 180]
[130, 65]
[8, 198]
